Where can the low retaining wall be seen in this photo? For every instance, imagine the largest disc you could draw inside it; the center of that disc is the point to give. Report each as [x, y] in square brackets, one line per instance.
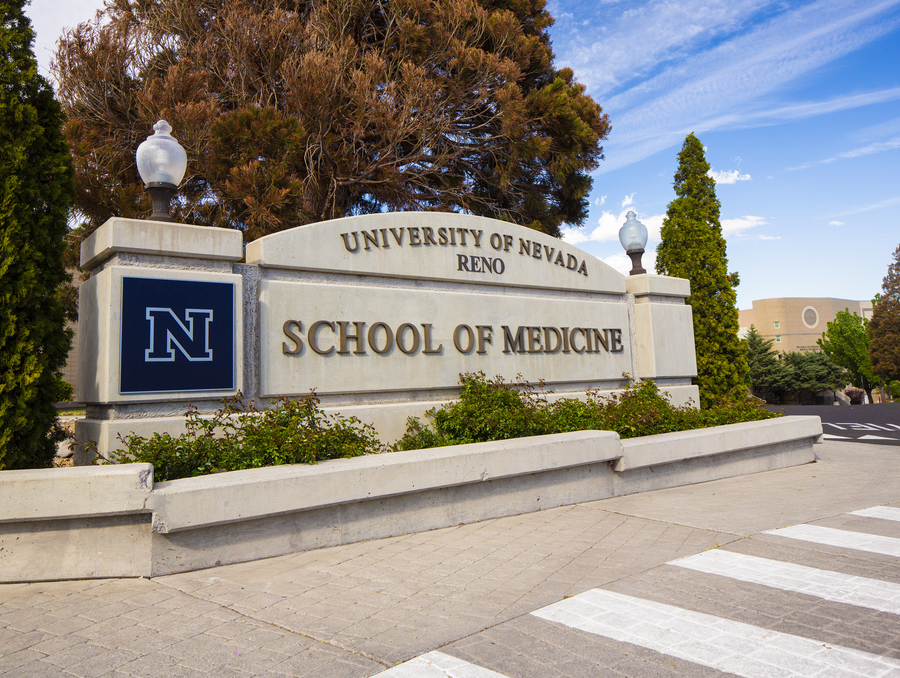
[113, 521]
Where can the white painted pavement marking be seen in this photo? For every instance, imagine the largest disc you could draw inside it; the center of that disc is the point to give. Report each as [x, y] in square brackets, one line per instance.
[833, 586]
[883, 512]
[437, 665]
[873, 543]
[730, 646]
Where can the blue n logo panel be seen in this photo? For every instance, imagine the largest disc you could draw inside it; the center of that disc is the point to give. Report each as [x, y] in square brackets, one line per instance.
[177, 335]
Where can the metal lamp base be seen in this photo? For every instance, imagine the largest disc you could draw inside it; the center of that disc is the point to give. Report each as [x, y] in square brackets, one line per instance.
[636, 268]
[161, 194]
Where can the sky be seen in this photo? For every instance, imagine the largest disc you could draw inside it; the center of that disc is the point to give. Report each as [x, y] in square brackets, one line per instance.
[796, 103]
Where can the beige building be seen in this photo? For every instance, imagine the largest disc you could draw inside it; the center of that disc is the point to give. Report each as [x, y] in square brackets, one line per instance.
[794, 323]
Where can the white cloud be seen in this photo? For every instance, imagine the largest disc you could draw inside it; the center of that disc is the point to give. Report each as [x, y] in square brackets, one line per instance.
[608, 225]
[739, 225]
[877, 147]
[770, 237]
[728, 177]
[622, 262]
[835, 223]
[574, 236]
[628, 200]
[600, 201]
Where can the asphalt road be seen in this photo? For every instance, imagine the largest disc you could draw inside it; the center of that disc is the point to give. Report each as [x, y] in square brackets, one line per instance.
[878, 424]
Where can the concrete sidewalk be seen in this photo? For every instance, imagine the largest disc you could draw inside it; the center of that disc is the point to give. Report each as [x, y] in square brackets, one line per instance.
[496, 597]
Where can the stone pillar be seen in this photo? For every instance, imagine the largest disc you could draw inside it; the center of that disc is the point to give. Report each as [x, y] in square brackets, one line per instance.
[160, 325]
[664, 334]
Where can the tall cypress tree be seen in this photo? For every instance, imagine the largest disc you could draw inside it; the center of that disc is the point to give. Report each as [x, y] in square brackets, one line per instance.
[36, 193]
[692, 247]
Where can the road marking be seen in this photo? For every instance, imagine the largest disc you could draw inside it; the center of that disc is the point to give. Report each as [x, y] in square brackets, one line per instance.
[730, 646]
[883, 512]
[873, 543]
[871, 437]
[833, 586]
[437, 665]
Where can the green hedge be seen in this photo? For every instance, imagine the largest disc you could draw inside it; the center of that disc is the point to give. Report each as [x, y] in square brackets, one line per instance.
[489, 409]
[239, 436]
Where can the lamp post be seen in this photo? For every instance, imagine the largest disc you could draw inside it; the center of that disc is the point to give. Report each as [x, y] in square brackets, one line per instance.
[161, 163]
[633, 236]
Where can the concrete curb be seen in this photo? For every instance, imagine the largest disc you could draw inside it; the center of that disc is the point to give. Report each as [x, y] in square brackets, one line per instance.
[111, 521]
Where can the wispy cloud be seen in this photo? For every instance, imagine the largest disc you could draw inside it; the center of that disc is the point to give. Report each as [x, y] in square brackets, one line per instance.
[835, 223]
[868, 208]
[662, 69]
[877, 147]
[728, 177]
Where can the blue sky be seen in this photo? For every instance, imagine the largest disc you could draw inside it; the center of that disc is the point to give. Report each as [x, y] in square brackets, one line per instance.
[797, 103]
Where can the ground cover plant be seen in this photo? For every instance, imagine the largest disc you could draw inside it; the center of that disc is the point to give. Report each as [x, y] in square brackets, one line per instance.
[240, 436]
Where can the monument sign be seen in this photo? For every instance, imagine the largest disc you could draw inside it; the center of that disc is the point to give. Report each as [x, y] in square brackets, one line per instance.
[378, 314]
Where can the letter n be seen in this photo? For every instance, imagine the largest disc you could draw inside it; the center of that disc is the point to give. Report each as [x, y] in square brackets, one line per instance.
[167, 333]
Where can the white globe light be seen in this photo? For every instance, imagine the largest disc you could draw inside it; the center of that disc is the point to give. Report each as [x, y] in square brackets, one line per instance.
[161, 159]
[633, 234]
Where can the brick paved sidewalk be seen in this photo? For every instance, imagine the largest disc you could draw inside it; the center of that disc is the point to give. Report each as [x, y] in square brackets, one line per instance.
[469, 591]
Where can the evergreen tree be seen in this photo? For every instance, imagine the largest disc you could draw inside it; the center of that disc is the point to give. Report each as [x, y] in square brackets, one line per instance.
[846, 343]
[295, 111]
[769, 376]
[884, 327]
[812, 372]
[36, 193]
[692, 247]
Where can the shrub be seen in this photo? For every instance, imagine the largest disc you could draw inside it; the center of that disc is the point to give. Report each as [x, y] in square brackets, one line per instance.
[240, 436]
[856, 395]
[489, 409]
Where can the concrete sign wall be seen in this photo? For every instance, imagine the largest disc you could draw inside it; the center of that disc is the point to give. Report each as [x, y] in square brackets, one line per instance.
[436, 246]
[378, 314]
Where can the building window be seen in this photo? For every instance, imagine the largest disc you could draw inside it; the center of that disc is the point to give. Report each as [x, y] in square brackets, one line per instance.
[810, 317]
[778, 339]
[777, 324]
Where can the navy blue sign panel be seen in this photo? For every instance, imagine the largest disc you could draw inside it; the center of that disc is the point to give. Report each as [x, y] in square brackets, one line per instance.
[177, 335]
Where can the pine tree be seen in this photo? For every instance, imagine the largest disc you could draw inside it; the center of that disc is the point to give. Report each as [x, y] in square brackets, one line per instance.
[36, 193]
[884, 327]
[769, 376]
[692, 247]
[293, 112]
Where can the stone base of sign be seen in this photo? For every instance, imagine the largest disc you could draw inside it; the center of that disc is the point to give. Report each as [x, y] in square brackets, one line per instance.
[112, 521]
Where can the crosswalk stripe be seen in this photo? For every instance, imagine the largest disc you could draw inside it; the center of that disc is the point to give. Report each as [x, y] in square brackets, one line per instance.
[437, 665]
[834, 586]
[883, 512]
[730, 646]
[873, 543]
